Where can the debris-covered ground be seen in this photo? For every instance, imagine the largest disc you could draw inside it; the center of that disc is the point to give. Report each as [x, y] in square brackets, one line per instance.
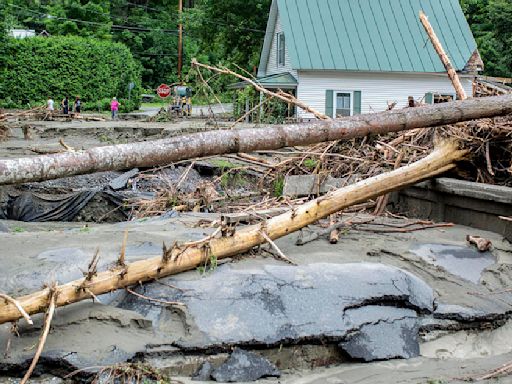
[393, 300]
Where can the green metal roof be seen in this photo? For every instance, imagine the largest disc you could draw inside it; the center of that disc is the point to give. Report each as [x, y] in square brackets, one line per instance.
[373, 35]
[281, 80]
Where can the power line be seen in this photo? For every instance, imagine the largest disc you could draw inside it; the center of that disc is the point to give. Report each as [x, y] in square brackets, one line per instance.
[115, 26]
[137, 28]
[206, 20]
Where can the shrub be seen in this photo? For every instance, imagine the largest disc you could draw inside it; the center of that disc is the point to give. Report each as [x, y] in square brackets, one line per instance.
[95, 70]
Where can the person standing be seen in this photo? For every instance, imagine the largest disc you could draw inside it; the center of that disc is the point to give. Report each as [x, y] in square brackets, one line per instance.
[78, 106]
[49, 107]
[65, 105]
[114, 107]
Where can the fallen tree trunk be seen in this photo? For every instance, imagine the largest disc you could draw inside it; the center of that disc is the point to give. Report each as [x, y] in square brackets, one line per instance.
[162, 152]
[186, 257]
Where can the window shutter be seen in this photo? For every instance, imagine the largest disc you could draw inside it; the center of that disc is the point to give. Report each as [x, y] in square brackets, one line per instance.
[429, 98]
[357, 102]
[329, 100]
[277, 49]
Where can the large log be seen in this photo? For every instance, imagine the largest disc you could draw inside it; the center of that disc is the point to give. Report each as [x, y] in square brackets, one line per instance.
[180, 259]
[161, 152]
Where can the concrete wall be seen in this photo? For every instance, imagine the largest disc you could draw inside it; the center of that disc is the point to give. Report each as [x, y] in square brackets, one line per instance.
[461, 202]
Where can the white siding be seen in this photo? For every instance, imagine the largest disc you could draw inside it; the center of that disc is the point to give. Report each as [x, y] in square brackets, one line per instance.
[377, 89]
[272, 67]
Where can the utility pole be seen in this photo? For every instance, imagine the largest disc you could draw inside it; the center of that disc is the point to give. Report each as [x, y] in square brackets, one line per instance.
[180, 41]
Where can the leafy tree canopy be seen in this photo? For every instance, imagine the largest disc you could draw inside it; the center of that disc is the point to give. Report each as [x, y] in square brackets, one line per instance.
[216, 31]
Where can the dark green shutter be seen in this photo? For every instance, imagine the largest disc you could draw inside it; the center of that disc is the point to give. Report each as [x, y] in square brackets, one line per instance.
[329, 100]
[357, 102]
[429, 98]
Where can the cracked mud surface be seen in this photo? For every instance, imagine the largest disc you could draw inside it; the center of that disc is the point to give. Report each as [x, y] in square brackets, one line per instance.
[303, 313]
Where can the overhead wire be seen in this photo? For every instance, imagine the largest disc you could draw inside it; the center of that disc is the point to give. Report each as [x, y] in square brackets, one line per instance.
[115, 26]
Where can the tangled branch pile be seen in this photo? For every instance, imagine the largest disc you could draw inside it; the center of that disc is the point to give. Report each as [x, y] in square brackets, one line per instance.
[490, 142]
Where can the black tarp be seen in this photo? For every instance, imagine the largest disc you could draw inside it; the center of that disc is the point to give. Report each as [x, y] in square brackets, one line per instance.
[40, 207]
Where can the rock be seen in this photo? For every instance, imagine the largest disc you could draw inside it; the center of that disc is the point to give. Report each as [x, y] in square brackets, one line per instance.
[243, 366]
[204, 373]
[276, 304]
[389, 338]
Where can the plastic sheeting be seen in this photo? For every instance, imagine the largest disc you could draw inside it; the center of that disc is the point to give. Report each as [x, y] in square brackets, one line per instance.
[39, 207]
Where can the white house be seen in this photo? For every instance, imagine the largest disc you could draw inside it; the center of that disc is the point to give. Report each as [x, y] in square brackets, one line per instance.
[22, 33]
[345, 57]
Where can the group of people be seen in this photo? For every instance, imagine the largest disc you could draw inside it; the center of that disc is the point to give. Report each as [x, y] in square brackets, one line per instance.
[66, 109]
[77, 106]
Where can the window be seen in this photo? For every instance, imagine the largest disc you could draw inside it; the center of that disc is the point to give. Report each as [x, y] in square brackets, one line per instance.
[281, 50]
[343, 102]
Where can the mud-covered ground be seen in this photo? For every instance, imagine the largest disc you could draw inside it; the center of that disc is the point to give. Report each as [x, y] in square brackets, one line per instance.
[468, 333]
[419, 307]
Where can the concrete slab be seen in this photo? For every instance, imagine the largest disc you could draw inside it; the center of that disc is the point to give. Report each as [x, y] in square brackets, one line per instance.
[306, 185]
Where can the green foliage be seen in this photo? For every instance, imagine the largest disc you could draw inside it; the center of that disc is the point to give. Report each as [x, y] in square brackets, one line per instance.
[3, 35]
[233, 179]
[491, 23]
[310, 163]
[230, 30]
[95, 70]
[216, 32]
[223, 164]
[209, 267]
[279, 186]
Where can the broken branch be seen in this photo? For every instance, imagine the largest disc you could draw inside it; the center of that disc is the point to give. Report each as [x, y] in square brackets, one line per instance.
[46, 329]
[452, 74]
[18, 306]
[276, 248]
[278, 95]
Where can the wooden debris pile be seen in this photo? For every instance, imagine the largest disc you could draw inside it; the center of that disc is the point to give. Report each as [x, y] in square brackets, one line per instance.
[490, 142]
[491, 86]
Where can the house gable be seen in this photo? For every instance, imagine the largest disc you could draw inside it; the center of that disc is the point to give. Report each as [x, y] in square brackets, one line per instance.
[269, 61]
[269, 39]
[368, 35]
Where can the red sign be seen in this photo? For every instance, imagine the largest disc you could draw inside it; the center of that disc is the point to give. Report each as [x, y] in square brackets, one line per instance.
[163, 91]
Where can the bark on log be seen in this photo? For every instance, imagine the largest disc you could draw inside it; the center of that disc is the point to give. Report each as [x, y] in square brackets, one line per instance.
[181, 259]
[162, 152]
[452, 73]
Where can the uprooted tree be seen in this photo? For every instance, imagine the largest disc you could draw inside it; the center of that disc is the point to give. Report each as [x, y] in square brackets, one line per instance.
[161, 152]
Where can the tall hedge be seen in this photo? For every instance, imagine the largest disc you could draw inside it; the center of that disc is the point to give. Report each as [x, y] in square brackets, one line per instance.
[41, 67]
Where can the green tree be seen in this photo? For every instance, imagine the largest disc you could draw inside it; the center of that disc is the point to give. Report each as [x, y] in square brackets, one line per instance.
[500, 15]
[230, 30]
[67, 66]
[491, 23]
